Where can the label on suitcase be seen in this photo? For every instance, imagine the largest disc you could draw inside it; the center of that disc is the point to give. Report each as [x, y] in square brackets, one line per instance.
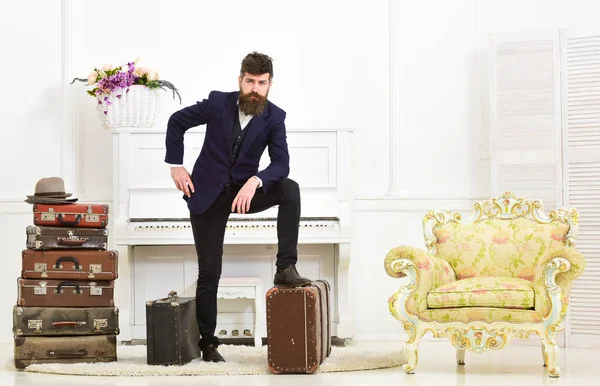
[65, 293]
[64, 349]
[298, 328]
[172, 333]
[49, 321]
[46, 238]
[71, 215]
[69, 264]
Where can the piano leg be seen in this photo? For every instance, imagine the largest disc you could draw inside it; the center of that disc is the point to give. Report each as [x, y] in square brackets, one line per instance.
[343, 316]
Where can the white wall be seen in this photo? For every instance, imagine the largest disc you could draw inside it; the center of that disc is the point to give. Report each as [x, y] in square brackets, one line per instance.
[331, 70]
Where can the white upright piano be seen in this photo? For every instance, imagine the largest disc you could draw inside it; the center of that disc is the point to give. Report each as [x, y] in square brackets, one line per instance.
[150, 227]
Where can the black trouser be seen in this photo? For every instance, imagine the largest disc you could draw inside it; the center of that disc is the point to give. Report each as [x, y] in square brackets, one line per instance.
[209, 232]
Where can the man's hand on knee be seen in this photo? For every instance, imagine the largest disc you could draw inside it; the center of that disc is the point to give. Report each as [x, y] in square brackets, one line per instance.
[241, 203]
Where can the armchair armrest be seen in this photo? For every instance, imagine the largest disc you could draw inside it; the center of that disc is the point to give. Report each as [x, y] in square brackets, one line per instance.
[554, 273]
[425, 272]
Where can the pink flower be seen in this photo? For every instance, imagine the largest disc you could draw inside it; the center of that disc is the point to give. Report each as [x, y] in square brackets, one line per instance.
[424, 266]
[466, 246]
[480, 291]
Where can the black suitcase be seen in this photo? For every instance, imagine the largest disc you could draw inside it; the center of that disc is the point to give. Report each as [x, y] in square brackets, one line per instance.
[45, 238]
[172, 333]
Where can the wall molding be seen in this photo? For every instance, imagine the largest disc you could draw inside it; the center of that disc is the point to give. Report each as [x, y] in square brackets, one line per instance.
[413, 204]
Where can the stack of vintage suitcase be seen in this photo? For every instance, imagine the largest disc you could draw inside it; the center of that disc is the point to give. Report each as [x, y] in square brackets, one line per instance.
[65, 311]
[298, 328]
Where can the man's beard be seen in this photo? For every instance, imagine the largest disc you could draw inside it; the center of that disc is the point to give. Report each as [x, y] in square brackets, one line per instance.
[250, 105]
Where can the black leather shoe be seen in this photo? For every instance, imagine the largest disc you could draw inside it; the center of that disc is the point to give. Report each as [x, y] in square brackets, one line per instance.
[291, 278]
[210, 354]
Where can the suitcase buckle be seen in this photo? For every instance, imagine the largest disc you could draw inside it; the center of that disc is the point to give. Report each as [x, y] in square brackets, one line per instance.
[36, 325]
[48, 216]
[40, 267]
[94, 268]
[41, 289]
[92, 217]
[99, 324]
[95, 291]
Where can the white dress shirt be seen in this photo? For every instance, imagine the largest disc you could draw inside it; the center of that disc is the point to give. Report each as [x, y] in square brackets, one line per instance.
[244, 120]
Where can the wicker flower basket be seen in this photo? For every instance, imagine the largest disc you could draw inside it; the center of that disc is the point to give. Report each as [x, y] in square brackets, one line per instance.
[137, 108]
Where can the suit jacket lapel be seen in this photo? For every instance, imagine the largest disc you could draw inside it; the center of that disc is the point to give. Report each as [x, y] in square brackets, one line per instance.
[229, 114]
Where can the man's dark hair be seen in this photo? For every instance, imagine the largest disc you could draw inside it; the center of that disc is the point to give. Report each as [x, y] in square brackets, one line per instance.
[257, 64]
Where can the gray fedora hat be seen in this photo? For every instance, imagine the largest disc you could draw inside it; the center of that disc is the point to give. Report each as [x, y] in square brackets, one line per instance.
[50, 190]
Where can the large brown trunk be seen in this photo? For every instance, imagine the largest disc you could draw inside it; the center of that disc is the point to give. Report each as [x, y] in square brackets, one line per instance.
[298, 328]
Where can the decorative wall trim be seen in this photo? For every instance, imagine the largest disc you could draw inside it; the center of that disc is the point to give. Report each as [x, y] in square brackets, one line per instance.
[413, 204]
[395, 105]
[68, 117]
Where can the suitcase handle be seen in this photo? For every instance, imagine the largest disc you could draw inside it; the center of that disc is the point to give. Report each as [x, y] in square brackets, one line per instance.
[66, 258]
[71, 242]
[69, 223]
[66, 353]
[68, 324]
[59, 290]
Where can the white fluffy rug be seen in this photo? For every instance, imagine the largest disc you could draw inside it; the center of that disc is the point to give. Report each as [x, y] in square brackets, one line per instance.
[241, 360]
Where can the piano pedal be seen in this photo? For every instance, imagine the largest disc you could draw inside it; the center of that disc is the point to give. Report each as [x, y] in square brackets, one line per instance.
[247, 332]
[235, 333]
[222, 333]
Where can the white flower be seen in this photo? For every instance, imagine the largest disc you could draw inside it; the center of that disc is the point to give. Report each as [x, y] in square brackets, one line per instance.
[107, 66]
[152, 75]
[92, 77]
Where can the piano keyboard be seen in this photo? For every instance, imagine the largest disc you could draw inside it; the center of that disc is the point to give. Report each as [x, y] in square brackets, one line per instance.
[234, 224]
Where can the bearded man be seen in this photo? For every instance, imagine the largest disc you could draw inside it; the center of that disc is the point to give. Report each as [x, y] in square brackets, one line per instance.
[240, 125]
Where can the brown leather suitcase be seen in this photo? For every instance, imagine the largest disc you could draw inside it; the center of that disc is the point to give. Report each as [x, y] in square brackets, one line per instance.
[172, 333]
[65, 293]
[46, 238]
[64, 349]
[298, 327]
[71, 215]
[69, 264]
[51, 321]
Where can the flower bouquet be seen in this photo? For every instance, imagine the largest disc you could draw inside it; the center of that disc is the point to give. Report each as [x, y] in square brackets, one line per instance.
[127, 95]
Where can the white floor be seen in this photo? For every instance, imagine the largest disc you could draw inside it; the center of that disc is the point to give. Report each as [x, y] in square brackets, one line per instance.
[515, 365]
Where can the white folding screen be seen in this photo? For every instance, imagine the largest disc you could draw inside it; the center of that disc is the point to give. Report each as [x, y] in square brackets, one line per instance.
[581, 169]
[525, 116]
[545, 141]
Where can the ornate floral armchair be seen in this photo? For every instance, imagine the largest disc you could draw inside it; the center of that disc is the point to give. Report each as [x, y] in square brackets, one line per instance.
[503, 273]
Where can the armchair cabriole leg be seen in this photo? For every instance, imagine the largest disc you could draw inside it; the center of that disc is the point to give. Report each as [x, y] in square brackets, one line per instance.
[544, 355]
[551, 357]
[410, 349]
[460, 356]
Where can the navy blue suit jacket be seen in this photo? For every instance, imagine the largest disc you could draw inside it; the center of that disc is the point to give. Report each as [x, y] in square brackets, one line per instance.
[215, 164]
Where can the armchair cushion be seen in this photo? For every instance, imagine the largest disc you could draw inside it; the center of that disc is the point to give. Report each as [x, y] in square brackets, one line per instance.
[497, 248]
[499, 292]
